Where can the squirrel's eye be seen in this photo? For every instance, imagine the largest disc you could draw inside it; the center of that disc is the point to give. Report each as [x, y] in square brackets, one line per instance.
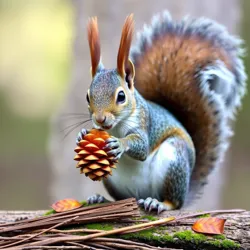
[87, 97]
[121, 97]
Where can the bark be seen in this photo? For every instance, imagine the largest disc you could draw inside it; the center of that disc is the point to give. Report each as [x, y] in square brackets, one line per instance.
[66, 181]
[237, 229]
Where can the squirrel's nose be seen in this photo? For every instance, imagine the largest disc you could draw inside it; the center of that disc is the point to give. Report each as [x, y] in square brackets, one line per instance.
[100, 119]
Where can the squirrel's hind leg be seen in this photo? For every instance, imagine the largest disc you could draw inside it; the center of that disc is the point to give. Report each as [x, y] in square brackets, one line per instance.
[173, 161]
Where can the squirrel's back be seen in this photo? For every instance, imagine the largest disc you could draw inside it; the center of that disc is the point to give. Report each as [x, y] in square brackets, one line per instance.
[192, 68]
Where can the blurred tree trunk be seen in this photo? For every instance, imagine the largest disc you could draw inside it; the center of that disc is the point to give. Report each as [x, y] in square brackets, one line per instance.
[67, 182]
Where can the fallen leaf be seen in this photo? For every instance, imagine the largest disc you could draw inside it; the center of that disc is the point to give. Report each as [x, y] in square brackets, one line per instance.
[211, 225]
[66, 205]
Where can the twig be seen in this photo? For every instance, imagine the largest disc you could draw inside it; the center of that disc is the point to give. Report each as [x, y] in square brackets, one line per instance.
[71, 231]
[46, 222]
[129, 228]
[75, 244]
[123, 246]
[130, 245]
[116, 210]
[55, 247]
[122, 241]
[126, 202]
[128, 205]
[210, 212]
[91, 236]
[99, 246]
[125, 229]
[42, 232]
[113, 211]
[137, 230]
[86, 246]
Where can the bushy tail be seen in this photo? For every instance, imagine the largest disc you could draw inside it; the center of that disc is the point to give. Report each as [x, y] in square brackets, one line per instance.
[193, 68]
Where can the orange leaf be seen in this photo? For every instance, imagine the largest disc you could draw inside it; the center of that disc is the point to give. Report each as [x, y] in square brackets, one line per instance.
[211, 225]
[66, 205]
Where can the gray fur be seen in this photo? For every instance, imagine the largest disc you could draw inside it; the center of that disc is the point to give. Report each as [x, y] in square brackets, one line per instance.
[207, 29]
[101, 90]
[169, 172]
[221, 88]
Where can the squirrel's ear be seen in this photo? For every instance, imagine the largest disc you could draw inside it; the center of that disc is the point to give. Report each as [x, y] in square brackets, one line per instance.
[130, 73]
[123, 62]
[94, 45]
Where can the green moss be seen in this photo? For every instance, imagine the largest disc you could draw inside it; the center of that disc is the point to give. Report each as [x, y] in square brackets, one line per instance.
[137, 223]
[219, 241]
[146, 235]
[167, 238]
[229, 244]
[84, 203]
[219, 237]
[225, 244]
[49, 212]
[149, 235]
[189, 236]
[149, 217]
[100, 226]
[152, 235]
[204, 216]
[216, 243]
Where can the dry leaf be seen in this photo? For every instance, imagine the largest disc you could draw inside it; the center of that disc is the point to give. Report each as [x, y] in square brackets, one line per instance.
[211, 225]
[66, 205]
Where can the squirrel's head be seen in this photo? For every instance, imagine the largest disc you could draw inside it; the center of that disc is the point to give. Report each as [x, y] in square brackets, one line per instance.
[111, 94]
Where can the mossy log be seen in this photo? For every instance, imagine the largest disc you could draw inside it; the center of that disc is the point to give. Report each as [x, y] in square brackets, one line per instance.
[177, 235]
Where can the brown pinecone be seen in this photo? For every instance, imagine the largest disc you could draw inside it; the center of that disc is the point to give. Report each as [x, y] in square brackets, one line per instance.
[92, 158]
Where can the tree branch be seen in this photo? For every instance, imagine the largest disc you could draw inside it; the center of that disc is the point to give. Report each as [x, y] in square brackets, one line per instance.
[174, 234]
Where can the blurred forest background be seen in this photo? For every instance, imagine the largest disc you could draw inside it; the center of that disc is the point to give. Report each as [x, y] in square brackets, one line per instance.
[44, 72]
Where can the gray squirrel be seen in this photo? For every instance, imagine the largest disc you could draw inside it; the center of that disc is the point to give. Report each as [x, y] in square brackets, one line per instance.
[167, 105]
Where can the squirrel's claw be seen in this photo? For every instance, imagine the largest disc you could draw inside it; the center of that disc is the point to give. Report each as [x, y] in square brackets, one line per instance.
[96, 199]
[152, 204]
[81, 134]
[112, 143]
[116, 147]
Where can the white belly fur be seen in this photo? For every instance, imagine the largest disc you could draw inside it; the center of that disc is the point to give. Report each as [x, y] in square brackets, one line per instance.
[139, 179]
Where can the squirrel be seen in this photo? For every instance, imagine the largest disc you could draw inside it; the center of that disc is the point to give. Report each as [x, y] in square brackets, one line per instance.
[167, 106]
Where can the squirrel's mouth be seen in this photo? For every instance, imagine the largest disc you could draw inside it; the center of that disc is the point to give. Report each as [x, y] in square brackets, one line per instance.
[107, 127]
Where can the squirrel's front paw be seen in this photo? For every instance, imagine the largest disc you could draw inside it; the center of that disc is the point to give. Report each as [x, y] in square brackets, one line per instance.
[81, 134]
[116, 147]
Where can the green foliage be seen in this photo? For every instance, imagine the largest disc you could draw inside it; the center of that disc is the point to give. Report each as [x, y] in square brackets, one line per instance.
[149, 217]
[35, 58]
[49, 212]
[219, 237]
[218, 241]
[189, 236]
[149, 235]
[225, 244]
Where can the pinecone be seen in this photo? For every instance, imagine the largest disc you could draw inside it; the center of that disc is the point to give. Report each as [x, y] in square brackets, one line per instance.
[92, 158]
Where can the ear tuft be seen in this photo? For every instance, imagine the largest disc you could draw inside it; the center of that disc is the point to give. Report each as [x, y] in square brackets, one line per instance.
[125, 43]
[94, 44]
